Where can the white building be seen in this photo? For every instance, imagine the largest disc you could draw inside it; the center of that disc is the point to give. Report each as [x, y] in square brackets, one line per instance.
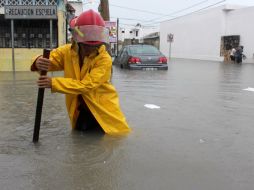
[138, 32]
[77, 5]
[205, 35]
[75, 8]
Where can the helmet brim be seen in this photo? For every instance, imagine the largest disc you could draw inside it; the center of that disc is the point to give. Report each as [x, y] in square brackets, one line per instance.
[92, 43]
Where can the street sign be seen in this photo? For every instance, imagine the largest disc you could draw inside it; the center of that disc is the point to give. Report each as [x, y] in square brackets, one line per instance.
[170, 37]
[30, 12]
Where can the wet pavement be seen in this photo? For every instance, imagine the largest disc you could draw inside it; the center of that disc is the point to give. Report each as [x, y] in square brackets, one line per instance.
[201, 137]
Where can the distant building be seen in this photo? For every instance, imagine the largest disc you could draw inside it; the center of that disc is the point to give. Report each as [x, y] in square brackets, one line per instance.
[77, 6]
[135, 34]
[73, 8]
[152, 39]
[31, 20]
[209, 34]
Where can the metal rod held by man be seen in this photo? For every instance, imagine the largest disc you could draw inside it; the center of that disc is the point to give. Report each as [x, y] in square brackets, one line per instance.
[37, 123]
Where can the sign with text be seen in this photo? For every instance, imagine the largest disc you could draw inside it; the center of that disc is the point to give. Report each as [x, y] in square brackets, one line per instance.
[112, 31]
[30, 12]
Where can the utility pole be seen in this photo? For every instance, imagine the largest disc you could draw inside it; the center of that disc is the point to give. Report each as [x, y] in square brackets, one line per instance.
[117, 36]
[104, 9]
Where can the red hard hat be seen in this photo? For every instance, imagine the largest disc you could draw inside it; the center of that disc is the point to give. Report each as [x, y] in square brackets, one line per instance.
[90, 18]
[73, 22]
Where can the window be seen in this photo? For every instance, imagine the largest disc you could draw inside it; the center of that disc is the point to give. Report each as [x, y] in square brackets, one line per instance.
[5, 32]
[136, 33]
[144, 50]
[28, 33]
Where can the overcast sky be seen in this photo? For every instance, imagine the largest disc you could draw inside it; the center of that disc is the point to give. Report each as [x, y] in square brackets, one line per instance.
[150, 13]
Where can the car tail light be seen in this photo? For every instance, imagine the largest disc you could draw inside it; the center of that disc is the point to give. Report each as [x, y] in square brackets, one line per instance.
[134, 60]
[162, 60]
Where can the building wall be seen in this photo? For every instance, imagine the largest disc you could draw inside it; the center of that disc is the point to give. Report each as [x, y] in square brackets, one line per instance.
[153, 41]
[196, 36]
[23, 56]
[142, 31]
[61, 28]
[240, 22]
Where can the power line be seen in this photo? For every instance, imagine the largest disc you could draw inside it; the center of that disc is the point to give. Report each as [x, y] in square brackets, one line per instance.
[162, 15]
[129, 19]
[191, 12]
[165, 15]
[144, 26]
[181, 10]
[132, 9]
[138, 10]
[154, 24]
[127, 24]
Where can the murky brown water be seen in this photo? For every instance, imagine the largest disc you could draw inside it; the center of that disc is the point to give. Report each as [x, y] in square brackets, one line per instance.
[200, 139]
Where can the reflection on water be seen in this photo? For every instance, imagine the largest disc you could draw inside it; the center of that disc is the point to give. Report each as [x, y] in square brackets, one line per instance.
[197, 99]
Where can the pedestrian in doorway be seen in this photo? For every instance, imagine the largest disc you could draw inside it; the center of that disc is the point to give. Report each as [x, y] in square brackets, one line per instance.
[239, 55]
[91, 99]
[232, 54]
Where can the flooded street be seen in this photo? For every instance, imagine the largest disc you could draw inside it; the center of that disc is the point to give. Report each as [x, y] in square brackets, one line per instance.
[201, 137]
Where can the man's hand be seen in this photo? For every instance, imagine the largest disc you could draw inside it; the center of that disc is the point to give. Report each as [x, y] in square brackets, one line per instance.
[44, 82]
[42, 64]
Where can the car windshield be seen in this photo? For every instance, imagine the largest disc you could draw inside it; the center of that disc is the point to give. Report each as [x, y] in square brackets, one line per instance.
[144, 50]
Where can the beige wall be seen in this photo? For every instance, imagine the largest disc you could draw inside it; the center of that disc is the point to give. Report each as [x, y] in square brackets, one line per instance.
[61, 28]
[23, 57]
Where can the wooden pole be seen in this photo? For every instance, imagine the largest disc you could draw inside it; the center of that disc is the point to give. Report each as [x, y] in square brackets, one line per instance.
[12, 45]
[117, 37]
[37, 123]
[104, 10]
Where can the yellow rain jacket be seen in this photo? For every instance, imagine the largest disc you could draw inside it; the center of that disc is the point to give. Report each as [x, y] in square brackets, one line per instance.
[92, 82]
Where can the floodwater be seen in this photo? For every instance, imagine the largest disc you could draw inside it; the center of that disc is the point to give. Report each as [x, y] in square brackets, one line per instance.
[201, 137]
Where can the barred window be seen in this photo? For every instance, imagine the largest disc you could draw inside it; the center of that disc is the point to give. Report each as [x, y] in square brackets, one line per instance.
[2, 3]
[52, 2]
[13, 2]
[5, 33]
[27, 2]
[28, 33]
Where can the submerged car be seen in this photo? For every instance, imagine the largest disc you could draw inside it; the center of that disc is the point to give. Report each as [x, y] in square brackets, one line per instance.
[141, 57]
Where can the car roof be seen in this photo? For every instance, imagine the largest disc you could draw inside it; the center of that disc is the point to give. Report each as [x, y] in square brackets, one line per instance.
[130, 46]
[139, 45]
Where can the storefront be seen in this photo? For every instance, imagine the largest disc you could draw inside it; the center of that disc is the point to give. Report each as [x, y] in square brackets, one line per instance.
[26, 27]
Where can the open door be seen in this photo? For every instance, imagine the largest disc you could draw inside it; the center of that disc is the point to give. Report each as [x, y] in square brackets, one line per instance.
[227, 43]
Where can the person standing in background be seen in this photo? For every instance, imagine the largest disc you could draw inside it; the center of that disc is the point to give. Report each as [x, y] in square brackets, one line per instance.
[232, 54]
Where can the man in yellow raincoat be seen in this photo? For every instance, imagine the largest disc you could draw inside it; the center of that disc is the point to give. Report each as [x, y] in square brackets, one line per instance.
[91, 99]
